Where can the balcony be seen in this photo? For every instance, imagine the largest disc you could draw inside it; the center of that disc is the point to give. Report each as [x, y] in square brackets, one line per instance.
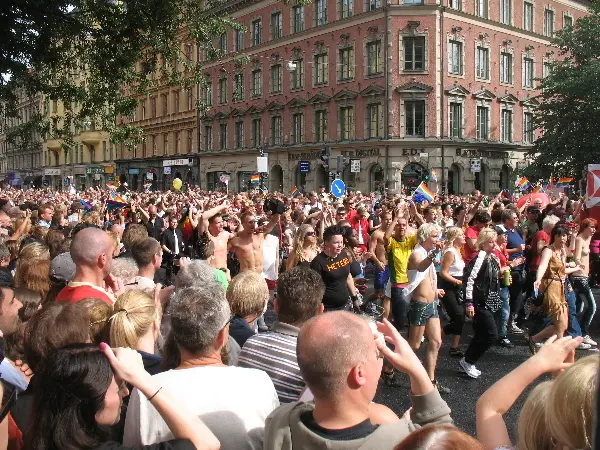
[90, 138]
[53, 144]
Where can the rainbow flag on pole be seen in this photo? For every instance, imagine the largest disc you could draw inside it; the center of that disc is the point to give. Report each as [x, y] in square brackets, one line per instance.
[537, 188]
[563, 182]
[294, 191]
[523, 183]
[254, 179]
[424, 191]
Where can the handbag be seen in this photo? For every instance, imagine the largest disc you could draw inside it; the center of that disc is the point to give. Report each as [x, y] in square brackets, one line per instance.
[493, 301]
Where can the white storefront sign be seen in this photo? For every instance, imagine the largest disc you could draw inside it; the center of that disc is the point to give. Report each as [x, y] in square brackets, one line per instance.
[178, 162]
[52, 172]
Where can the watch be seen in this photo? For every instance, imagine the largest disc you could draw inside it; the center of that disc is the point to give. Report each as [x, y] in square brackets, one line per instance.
[431, 254]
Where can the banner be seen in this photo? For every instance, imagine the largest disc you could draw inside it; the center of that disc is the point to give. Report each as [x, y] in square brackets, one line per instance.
[592, 197]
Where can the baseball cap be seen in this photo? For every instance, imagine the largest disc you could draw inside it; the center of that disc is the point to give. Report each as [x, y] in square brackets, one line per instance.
[62, 267]
[500, 229]
[533, 209]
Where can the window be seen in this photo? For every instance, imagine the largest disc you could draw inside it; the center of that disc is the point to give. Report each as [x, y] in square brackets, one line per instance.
[528, 128]
[528, 16]
[175, 101]
[190, 98]
[321, 69]
[414, 53]
[482, 122]
[455, 4]
[374, 59]
[165, 104]
[153, 106]
[346, 8]
[208, 138]
[372, 5]
[256, 132]
[413, 2]
[347, 123]
[256, 32]
[346, 64]
[374, 120]
[276, 25]
[320, 12]
[548, 22]
[320, 125]
[528, 73]
[456, 119]
[189, 52]
[238, 89]
[456, 57]
[276, 130]
[506, 68]
[506, 125]
[482, 64]
[298, 74]
[223, 91]
[256, 83]
[481, 8]
[276, 78]
[239, 40]
[190, 140]
[208, 101]
[165, 144]
[414, 118]
[223, 43]
[297, 18]
[222, 136]
[567, 21]
[546, 69]
[505, 12]
[239, 134]
[54, 106]
[297, 128]
[143, 110]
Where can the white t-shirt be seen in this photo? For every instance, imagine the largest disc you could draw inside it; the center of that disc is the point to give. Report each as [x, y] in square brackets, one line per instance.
[270, 257]
[233, 402]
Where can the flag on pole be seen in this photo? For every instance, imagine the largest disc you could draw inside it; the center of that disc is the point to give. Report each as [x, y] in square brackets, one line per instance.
[294, 191]
[116, 201]
[424, 191]
[255, 178]
[87, 206]
[434, 175]
[523, 184]
[563, 182]
[537, 188]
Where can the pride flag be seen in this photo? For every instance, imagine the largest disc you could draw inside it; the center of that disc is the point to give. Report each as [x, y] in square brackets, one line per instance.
[87, 206]
[115, 201]
[563, 182]
[255, 178]
[294, 191]
[434, 175]
[424, 191]
[523, 184]
[537, 188]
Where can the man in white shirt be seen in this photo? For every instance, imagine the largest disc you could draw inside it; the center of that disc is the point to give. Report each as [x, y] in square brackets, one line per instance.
[313, 203]
[148, 256]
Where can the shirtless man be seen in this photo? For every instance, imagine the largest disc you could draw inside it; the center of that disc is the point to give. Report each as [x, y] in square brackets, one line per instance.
[212, 221]
[247, 244]
[423, 294]
[382, 270]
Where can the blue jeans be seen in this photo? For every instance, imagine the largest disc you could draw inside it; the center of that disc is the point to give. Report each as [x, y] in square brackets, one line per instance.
[574, 327]
[399, 308]
[501, 316]
[584, 296]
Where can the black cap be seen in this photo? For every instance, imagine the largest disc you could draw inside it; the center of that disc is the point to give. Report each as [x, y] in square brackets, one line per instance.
[500, 229]
[533, 209]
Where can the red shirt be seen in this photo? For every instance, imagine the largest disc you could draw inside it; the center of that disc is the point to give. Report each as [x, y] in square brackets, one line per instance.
[471, 233]
[502, 255]
[74, 294]
[536, 257]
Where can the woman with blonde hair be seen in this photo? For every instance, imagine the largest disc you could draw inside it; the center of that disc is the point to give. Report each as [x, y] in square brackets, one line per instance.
[100, 312]
[135, 323]
[551, 410]
[33, 268]
[305, 247]
[247, 295]
[451, 281]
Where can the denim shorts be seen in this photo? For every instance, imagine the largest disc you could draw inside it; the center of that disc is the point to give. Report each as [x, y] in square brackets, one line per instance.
[381, 277]
[420, 312]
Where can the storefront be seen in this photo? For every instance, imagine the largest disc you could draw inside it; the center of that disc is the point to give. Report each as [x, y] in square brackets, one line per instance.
[52, 176]
[158, 173]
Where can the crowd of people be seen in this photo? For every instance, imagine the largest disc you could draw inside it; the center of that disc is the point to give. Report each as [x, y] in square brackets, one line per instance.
[142, 325]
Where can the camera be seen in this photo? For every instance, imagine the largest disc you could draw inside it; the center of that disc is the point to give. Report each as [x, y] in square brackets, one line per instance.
[274, 206]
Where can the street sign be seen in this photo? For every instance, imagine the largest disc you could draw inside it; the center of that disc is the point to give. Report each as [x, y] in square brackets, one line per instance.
[262, 164]
[338, 188]
[355, 165]
[304, 166]
[224, 178]
[475, 165]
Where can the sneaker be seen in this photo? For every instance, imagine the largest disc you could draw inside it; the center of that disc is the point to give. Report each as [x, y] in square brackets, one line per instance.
[441, 389]
[515, 329]
[588, 340]
[469, 369]
[505, 342]
[584, 346]
[456, 352]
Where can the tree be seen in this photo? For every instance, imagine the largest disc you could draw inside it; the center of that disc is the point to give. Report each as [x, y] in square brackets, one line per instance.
[569, 111]
[97, 57]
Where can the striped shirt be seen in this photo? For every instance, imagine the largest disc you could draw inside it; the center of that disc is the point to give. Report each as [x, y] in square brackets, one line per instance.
[275, 353]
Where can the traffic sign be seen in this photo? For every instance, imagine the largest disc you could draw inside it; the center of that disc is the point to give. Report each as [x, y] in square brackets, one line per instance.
[304, 166]
[338, 188]
[355, 165]
[475, 165]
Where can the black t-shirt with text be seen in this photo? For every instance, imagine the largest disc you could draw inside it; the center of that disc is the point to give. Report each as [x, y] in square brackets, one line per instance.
[334, 272]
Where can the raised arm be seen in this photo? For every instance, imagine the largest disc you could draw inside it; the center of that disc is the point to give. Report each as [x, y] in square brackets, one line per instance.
[210, 213]
[272, 222]
[413, 211]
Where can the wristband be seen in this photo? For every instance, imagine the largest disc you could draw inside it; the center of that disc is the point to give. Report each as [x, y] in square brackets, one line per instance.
[150, 398]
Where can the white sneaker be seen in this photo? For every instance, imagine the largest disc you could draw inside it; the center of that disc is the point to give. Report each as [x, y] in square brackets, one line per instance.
[588, 340]
[469, 369]
[515, 329]
[584, 346]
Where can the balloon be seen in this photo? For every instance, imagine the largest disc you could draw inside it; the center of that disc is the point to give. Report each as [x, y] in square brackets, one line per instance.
[541, 195]
[177, 183]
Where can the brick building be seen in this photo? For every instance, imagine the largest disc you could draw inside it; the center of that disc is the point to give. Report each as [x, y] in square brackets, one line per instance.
[402, 87]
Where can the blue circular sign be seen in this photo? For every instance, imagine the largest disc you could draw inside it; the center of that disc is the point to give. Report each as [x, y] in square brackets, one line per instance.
[338, 188]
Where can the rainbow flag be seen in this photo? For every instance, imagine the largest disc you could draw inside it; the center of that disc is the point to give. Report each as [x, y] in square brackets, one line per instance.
[537, 188]
[424, 191]
[255, 178]
[116, 201]
[434, 175]
[111, 187]
[294, 191]
[523, 184]
[563, 182]
[87, 206]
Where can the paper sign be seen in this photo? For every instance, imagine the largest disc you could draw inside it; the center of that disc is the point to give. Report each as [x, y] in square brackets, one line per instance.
[593, 185]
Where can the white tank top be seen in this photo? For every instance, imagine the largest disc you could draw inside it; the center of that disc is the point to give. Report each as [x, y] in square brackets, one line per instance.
[458, 265]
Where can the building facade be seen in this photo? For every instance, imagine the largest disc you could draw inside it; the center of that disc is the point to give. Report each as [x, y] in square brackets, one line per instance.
[21, 163]
[403, 87]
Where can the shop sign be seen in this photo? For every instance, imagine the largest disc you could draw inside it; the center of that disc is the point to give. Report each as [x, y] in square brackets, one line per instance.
[133, 171]
[306, 155]
[361, 153]
[304, 166]
[474, 153]
[52, 172]
[95, 170]
[178, 162]
[109, 169]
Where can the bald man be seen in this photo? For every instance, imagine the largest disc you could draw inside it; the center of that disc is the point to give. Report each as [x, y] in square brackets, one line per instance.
[154, 223]
[340, 357]
[92, 252]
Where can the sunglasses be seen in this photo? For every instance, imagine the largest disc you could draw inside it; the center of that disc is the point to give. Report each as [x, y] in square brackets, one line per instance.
[310, 233]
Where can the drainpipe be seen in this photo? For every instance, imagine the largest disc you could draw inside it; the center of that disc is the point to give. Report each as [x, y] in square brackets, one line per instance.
[387, 100]
[443, 118]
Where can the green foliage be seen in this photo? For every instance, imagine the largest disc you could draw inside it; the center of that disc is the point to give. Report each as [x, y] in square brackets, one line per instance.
[569, 111]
